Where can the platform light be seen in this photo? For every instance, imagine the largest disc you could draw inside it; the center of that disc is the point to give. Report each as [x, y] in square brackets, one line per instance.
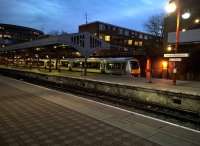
[169, 48]
[186, 15]
[47, 56]
[36, 55]
[78, 54]
[164, 64]
[197, 21]
[171, 7]
[183, 30]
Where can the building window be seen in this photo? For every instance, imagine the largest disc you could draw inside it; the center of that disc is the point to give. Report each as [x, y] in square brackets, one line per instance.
[145, 37]
[114, 28]
[7, 36]
[126, 33]
[140, 43]
[120, 31]
[0, 35]
[141, 36]
[107, 38]
[101, 37]
[130, 42]
[136, 43]
[109, 27]
[102, 27]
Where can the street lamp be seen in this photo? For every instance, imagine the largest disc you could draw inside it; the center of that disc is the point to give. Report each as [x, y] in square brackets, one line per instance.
[171, 7]
[186, 15]
[174, 5]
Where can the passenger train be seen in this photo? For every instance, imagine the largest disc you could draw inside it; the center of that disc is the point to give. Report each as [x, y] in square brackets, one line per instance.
[121, 66]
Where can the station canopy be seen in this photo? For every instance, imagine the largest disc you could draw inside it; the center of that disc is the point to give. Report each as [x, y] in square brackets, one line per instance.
[84, 43]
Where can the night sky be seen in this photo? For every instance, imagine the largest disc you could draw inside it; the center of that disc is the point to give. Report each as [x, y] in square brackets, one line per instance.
[66, 15]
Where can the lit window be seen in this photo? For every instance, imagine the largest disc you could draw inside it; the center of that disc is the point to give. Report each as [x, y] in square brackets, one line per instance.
[136, 43]
[130, 42]
[0, 35]
[107, 38]
[7, 36]
[140, 43]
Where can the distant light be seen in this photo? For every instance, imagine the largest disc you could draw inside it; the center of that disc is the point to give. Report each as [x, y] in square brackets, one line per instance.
[36, 55]
[47, 56]
[38, 49]
[78, 54]
[183, 30]
[197, 21]
[164, 64]
[169, 48]
[55, 47]
[186, 15]
[171, 7]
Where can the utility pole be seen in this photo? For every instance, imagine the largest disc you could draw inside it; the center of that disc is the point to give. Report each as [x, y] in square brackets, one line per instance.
[86, 18]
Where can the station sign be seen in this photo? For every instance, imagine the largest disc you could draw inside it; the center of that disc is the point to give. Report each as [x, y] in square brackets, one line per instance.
[177, 55]
[175, 59]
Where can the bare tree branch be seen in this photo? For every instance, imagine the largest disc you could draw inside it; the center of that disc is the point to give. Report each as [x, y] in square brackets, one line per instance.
[155, 25]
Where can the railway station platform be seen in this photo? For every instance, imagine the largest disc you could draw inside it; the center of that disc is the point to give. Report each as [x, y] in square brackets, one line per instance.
[184, 87]
[34, 115]
[185, 96]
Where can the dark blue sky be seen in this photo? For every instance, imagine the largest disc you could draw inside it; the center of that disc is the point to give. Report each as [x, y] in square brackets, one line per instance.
[66, 15]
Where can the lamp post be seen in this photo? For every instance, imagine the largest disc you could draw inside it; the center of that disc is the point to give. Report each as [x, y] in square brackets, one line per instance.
[170, 8]
[174, 5]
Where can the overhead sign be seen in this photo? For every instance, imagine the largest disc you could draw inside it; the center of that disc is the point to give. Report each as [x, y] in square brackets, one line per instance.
[175, 59]
[177, 55]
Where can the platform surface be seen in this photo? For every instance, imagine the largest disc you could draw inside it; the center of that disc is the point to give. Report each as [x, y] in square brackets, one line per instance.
[32, 115]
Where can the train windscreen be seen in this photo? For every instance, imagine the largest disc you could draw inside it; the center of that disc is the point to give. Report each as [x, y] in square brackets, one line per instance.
[134, 65]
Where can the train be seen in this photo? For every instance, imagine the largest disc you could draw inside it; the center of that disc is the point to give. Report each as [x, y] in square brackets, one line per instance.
[120, 66]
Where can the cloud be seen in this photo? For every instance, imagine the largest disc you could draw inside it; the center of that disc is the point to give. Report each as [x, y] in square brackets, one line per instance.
[68, 14]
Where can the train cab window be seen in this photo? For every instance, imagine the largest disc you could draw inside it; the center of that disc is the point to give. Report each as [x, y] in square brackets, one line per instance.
[134, 65]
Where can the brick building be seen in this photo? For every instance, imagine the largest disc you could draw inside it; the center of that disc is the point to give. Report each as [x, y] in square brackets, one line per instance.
[126, 42]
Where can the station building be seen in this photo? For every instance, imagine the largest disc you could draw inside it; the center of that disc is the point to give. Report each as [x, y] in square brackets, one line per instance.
[126, 42]
[13, 34]
[188, 68]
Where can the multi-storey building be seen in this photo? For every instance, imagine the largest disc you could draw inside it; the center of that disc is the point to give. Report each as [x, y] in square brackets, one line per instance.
[125, 42]
[189, 38]
[12, 34]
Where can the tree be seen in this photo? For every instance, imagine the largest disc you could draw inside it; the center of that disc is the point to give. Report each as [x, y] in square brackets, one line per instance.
[155, 25]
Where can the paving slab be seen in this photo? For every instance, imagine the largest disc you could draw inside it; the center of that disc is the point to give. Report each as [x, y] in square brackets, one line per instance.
[32, 115]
